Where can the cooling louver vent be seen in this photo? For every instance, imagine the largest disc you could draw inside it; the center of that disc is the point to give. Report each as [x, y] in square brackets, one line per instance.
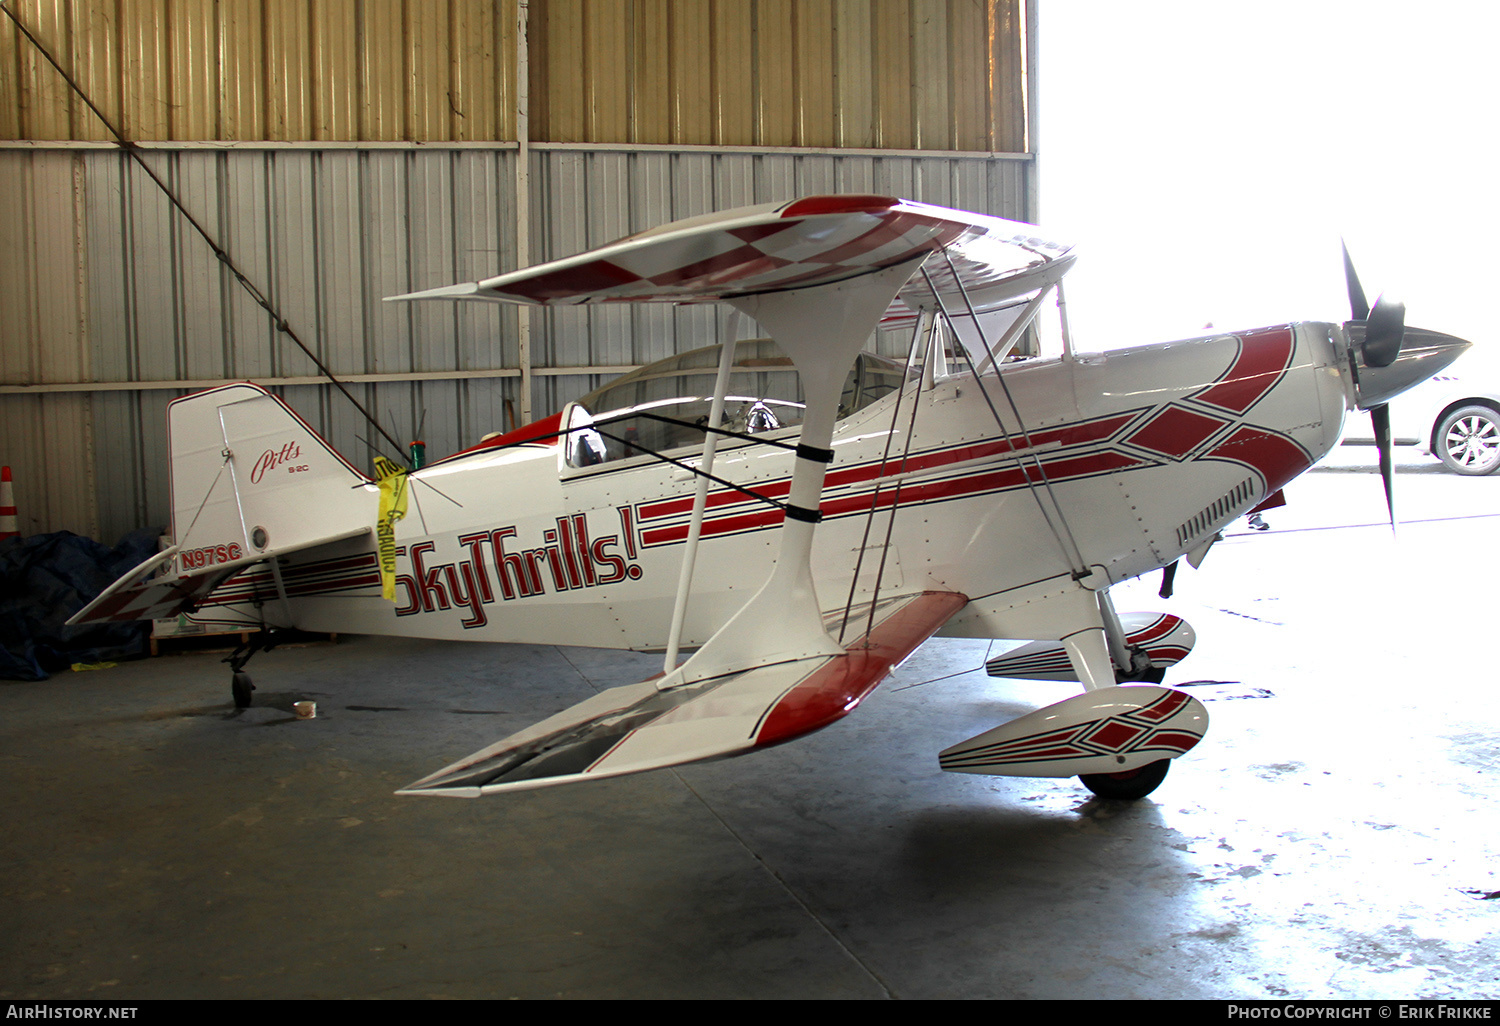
[1224, 509]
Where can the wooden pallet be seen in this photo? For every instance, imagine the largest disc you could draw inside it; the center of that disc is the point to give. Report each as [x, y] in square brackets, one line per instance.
[228, 641]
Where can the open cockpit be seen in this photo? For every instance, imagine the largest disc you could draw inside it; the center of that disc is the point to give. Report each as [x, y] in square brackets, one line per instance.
[665, 405]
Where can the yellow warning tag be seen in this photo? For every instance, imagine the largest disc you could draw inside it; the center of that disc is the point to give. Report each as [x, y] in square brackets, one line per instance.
[392, 481]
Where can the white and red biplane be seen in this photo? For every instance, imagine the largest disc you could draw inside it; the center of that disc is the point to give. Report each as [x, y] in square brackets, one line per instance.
[801, 513]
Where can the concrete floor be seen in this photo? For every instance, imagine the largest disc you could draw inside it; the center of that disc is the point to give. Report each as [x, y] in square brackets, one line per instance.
[1334, 837]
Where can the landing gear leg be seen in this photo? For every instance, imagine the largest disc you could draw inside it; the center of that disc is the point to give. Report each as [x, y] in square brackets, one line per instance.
[1145, 674]
[1131, 665]
[240, 685]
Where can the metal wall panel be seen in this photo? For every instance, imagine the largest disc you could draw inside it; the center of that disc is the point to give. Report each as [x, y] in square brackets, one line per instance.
[325, 233]
[105, 284]
[894, 74]
[241, 70]
[101, 283]
[588, 197]
[43, 339]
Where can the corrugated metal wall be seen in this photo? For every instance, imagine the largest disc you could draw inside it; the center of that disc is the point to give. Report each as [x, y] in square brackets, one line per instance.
[256, 70]
[885, 74]
[110, 305]
[892, 74]
[591, 197]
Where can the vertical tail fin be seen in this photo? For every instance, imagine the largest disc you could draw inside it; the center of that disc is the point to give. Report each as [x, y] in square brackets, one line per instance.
[250, 477]
[250, 480]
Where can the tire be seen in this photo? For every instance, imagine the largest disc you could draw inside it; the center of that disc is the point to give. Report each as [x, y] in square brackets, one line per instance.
[1468, 441]
[240, 686]
[1130, 785]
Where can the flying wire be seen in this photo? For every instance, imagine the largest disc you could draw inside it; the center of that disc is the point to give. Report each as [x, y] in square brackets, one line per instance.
[134, 152]
[890, 524]
[949, 676]
[1075, 556]
[859, 560]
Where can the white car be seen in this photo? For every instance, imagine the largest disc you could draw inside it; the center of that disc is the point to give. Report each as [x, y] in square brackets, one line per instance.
[1445, 416]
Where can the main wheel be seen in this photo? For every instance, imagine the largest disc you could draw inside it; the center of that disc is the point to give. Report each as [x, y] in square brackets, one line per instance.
[1468, 441]
[1129, 785]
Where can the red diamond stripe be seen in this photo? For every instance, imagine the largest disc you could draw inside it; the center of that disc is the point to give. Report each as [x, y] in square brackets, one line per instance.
[1276, 457]
[1114, 735]
[1263, 356]
[732, 265]
[890, 229]
[1011, 755]
[569, 282]
[756, 232]
[1175, 431]
[1163, 707]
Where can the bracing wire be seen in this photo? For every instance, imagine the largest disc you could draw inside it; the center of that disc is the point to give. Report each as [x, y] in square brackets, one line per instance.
[261, 300]
[1065, 540]
[859, 560]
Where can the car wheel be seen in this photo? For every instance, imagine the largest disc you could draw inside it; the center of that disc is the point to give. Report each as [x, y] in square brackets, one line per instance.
[1468, 440]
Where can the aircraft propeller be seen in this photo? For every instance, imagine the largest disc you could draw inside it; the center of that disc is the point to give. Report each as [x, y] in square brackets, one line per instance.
[1381, 332]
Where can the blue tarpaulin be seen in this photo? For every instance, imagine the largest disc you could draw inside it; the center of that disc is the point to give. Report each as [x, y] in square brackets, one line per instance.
[47, 578]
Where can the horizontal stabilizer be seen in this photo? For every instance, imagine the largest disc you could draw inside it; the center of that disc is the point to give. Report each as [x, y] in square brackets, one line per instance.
[131, 598]
[641, 727]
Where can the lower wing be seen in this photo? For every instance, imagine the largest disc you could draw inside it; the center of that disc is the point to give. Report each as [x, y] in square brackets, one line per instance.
[641, 726]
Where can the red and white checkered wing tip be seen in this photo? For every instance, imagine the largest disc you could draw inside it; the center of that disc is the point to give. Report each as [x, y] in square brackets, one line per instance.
[782, 246]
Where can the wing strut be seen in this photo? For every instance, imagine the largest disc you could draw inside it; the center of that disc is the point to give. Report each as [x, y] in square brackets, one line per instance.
[822, 328]
[700, 497]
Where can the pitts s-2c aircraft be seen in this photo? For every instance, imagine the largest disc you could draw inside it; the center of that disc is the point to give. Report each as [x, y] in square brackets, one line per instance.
[873, 502]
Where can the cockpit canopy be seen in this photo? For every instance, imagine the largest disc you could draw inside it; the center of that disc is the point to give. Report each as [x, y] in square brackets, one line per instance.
[665, 405]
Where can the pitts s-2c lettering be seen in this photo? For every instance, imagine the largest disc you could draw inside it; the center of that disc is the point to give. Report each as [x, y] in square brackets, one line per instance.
[803, 513]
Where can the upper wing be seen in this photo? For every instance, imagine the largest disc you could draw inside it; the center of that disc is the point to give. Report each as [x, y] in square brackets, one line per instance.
[640, 727]
[781, 246]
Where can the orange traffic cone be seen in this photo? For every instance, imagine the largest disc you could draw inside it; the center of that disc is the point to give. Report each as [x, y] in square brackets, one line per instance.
[8, 528]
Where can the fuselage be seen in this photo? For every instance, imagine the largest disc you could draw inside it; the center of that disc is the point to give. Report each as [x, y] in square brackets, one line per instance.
[1117, 464]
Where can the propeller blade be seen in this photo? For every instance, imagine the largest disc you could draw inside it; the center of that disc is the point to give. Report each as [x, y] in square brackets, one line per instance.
[1383, 333]
[1380, 418]
[1359, 308]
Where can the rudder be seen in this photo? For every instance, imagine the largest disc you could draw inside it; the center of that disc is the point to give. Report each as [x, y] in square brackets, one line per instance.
[250, 477]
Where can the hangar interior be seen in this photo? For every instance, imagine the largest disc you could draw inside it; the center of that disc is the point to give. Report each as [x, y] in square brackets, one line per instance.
[341, 153]
[165, 844]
